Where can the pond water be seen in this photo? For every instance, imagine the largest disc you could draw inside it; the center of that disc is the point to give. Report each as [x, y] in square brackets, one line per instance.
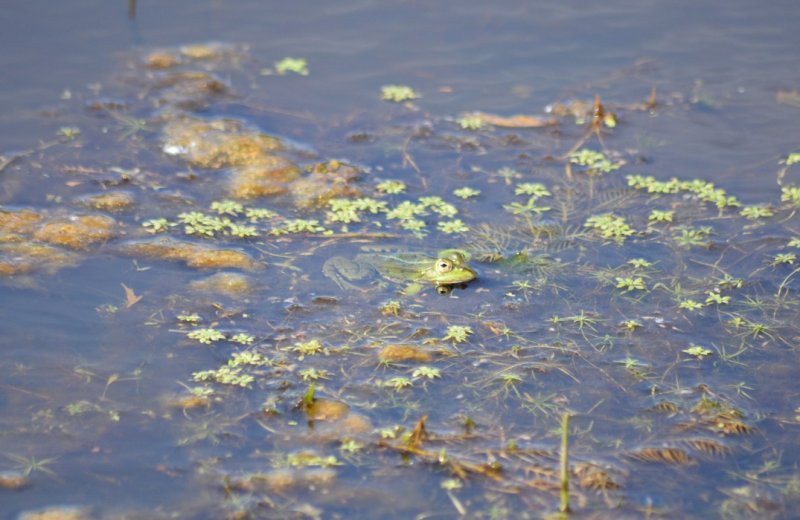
[227, 232]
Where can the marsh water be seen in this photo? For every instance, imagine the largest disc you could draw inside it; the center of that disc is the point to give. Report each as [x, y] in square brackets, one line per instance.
[623, 177]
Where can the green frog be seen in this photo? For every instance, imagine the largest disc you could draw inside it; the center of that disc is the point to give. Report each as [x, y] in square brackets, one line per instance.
[446, 269]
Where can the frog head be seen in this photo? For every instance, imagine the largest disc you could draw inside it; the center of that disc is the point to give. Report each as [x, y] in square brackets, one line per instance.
[449, 268]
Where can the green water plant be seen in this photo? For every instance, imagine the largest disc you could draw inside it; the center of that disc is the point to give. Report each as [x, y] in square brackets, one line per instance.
[391, 187]
[471, 122]
[639, 263]
[452, 226]
[227, 207]
[595, 162]
[298, 226]
[311, 347]
[466, 192]
[243, 339]
[690, 305]
[248, 358]
[658, 215]
[398, 383]
[532, 189]
[30, 465]
[206, 336]
[704, 190]
[714, 297]
[398, 93]
[610, 226]
[313, 374]
[791, 194]
[784, 258]
[425, 372]
[756, 212]
[224, 375]
[698, 351]
[629, 283]
[457, 333]
[296, 65]
[156, 225]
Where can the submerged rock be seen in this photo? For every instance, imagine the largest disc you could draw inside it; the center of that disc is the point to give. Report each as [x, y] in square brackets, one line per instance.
[194, 255]
[58, 513]
[327, 410]
[190, 90]
[281, 479]
[399, 352]
[76, 231]
[184, 401]
[325, 181]
[24, 257]
[217, 143]
[112, 201]
[161, 60]
[212, 51]
[14, 480]
[187, 54]
[269, 175]
[14, 223]
[233, 285]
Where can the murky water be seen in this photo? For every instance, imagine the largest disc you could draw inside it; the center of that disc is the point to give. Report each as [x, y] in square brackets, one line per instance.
[201, 317]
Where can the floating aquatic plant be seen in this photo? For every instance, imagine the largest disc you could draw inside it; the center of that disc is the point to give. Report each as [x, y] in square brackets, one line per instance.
[425, 372]
[296, 65]
[629, 283]
[206, 336]
[466, 192]
[224, 375]
[610, 226]
[661, 216]
[391, 187]
[595, 162]
[398, 93]
[452, 226]
[471, 122]
[698, 352]
[756, 212]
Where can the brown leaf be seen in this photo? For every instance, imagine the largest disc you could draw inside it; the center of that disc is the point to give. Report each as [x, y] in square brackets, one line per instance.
[710, 447]
[131, 298]
[675, 456]
[519, 121]
[418, 434]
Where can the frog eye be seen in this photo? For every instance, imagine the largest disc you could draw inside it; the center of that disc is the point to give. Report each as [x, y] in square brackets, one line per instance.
[444, 265]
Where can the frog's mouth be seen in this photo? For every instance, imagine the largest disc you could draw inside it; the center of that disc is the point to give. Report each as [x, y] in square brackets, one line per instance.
[466, 276]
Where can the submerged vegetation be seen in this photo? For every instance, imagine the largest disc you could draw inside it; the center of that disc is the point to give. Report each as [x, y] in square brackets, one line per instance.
[631, 317]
